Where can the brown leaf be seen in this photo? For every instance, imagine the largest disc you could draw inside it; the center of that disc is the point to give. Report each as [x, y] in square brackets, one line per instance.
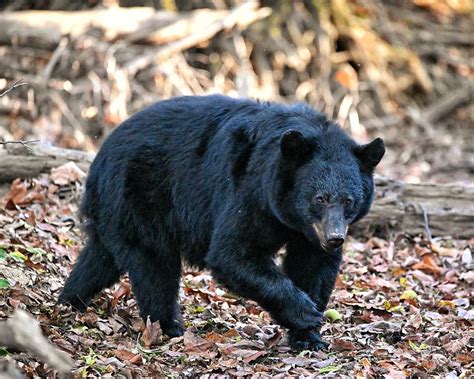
[429, 365]
[215, 337]
[229, 363]
[232, 333]
[456, 345]
[124, 289]
[253, 355]
[196, 345]
[152, 335]
[273, 341]
[444, 251]
[465, 358]
[89, 318]
[247, 355]
[137, 324]
[21, 194]
[66, 174]
[36, 266]
[415, 321]
[64, 345]
[428, 264]
[342, 345]
[128, 356]
[367, 366]
[375, 281]
[347, 77]
[17, 192]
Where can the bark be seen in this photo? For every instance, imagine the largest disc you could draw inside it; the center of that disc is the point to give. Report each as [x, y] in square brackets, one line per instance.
[433, 209]
[440, 210]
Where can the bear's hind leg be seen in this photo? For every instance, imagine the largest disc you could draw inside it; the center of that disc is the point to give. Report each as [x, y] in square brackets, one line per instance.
[94, 270]
[155, 275]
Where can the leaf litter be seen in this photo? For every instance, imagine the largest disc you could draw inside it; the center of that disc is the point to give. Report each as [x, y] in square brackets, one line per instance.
[401, 307]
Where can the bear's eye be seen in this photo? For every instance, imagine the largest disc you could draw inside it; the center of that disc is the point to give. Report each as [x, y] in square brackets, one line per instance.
[348, 201]
[319, 199]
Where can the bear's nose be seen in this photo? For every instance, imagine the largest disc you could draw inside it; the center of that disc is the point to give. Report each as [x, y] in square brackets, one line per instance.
[335, 242]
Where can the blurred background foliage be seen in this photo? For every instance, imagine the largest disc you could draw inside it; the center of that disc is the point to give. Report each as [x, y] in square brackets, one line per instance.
[402, 70]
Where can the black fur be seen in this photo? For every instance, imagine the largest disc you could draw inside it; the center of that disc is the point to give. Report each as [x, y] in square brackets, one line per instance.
[224, 184]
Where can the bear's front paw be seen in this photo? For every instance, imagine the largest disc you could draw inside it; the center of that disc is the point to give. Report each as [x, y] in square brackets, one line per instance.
[172, 329]
[302, 315]
[306, 340]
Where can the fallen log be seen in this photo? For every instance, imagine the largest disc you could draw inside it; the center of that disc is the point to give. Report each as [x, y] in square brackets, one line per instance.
[433, 209]
[436, 209]
[45, 29]
[20, 160]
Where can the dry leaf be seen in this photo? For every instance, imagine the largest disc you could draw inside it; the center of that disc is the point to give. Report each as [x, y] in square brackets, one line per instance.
[17, 192]
[456, 345]
[215, 337]
[339, 344]
[246, 355]
[196, 345]
[428, 264]
[66, 174]
[347, 77]
[152, 335]
[128, 356]
[444, 251]
[124, 289]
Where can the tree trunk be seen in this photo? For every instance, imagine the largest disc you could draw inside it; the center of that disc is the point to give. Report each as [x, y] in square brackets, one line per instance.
[440, 210]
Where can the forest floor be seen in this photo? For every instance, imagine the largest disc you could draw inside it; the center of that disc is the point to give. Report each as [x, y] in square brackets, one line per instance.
[401, 308]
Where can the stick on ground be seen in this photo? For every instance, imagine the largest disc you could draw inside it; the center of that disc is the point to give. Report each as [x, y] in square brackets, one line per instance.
[21, 332]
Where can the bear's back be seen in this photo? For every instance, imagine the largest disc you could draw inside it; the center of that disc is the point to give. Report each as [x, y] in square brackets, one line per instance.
[179, 162]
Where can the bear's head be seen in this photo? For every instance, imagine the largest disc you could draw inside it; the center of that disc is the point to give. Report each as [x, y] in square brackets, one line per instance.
[325, 182]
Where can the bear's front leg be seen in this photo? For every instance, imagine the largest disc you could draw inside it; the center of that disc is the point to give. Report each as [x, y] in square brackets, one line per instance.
[314, 271]
[249, 271]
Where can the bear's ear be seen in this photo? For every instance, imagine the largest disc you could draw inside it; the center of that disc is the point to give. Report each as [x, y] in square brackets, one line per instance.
[371, 153]
[294, 146]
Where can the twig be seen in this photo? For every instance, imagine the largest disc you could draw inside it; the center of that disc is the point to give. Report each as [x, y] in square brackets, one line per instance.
[17, 83]
[448, 102]
[24, 143]
[67, 113]
[54, 59]
[426, 223]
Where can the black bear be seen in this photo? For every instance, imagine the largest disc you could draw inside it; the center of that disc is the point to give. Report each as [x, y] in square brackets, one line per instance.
[223, 184]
